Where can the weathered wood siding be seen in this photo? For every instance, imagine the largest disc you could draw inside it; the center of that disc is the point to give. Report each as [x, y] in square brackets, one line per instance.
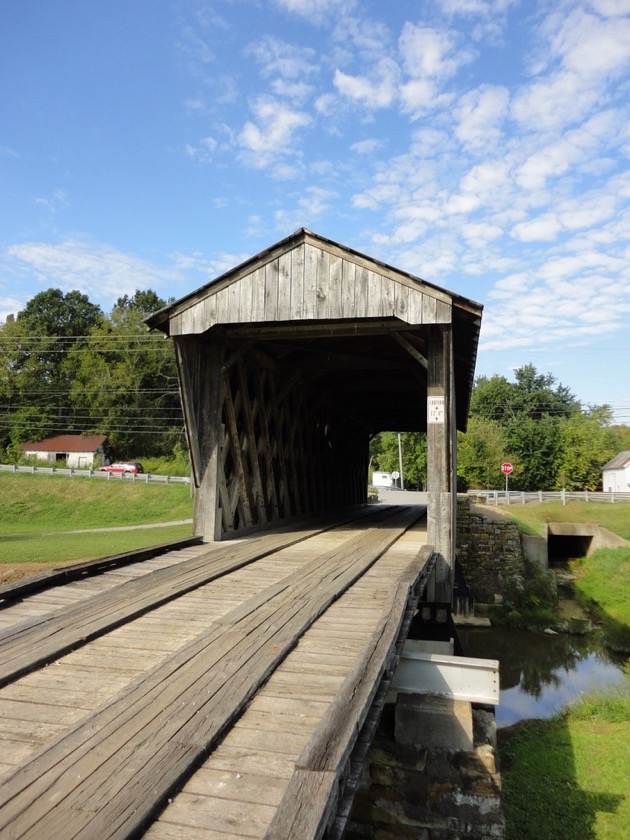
[311, 283]
[276, 452]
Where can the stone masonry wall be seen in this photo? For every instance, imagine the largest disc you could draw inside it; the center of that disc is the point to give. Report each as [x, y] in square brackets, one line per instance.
[489, 549]
[411, 792]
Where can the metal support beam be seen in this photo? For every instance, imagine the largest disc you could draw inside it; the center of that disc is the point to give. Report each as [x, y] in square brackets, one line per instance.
[457, 677]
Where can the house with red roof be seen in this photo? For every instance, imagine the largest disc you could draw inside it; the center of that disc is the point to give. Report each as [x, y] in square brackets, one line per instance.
[72, 451]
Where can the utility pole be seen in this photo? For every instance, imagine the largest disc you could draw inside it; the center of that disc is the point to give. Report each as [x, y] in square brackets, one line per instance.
[402, 484]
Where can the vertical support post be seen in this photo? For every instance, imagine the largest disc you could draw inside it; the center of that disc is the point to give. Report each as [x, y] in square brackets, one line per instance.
[441, 458]
[199, 365]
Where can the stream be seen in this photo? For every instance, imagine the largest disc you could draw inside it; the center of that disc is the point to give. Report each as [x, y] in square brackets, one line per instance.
[539, 673]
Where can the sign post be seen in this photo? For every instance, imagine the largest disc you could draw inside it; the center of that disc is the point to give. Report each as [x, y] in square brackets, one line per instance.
[506, 469]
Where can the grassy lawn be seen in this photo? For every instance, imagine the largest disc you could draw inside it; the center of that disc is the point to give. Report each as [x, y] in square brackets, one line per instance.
[533, 516]
[37, 512]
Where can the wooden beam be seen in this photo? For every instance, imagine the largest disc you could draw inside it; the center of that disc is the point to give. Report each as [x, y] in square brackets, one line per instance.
[409, 348]
[440, 485]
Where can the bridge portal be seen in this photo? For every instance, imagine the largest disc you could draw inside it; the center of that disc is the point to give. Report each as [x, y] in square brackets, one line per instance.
[290, 362]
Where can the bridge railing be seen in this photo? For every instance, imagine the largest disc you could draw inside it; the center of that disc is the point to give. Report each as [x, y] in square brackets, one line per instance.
[512, 497]
[74, 472]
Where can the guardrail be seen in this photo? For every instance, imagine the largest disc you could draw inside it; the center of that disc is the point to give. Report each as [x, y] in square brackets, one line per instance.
[100, 475]
[511, 497]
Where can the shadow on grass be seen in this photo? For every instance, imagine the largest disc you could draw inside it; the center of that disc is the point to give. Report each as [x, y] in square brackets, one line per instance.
[542, 795]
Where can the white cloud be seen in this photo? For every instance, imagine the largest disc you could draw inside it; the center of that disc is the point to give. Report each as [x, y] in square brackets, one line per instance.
[298, 92]
[203, 152]
[573, 148]
[317, 11]
[9, 306]
[431, 53]
[378, 90]
[479, 115]
[99, 271]
[483, 8]
[272, 135]
[367, 147]
[279, 58]
[54, 202]
[591, 47]
[543, 228]
[553, 102]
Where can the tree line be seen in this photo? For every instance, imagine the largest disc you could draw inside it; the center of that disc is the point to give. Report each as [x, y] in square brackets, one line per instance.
[67, 367]
[534, 423]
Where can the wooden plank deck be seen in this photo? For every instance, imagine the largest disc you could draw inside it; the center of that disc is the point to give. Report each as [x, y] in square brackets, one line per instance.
[261, 677]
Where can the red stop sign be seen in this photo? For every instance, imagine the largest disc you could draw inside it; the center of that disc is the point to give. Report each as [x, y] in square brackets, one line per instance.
[506, 468]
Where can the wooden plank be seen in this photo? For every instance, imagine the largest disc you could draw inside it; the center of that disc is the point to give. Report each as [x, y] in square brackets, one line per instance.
[361, 294]
[415, 307]
[285, 287]
[310, 799]
[322, 280]
[297, 283]
[375, 307]
[348, 305]
[13, 591]
[258, 295]
[272, 271]
[312, 258]
[236, 819]
[247, 423]
[138, 737]
[335, 289]
[45, 638]
[401, 301]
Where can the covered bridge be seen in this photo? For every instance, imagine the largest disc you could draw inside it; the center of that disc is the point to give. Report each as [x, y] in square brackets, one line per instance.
[290, 363]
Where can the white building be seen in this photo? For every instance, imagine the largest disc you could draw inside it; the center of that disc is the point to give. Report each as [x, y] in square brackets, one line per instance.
[616, 474]
[382, 479]
[72, 451]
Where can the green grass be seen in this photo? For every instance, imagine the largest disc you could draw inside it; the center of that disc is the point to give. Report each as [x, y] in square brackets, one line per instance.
[37, 511]
[603, 579]
[567, 778]
[603, 585]
[532, 517]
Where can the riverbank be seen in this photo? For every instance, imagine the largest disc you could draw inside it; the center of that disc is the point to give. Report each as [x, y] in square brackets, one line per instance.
[568, 776]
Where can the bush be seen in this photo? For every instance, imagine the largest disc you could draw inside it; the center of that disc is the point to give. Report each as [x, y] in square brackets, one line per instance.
[529, 600]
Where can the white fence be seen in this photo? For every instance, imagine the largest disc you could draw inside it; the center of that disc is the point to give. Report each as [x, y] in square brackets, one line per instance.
[100, 475]
[518, 497]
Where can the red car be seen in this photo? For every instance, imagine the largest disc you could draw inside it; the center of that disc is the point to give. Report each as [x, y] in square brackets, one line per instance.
[122, 467]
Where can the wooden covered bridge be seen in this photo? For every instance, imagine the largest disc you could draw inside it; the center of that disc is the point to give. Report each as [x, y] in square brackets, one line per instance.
[231, 687]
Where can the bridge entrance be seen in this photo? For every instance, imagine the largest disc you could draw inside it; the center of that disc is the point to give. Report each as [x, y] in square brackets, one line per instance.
[290, 362]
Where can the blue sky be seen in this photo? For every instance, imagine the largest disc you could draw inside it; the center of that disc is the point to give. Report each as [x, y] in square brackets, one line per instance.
[480, 144]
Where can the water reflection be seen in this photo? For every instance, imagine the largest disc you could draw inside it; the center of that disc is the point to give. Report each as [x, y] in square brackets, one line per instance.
[540, 674]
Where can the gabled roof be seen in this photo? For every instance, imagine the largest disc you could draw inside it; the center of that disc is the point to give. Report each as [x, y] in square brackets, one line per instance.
[354, 327]
[66, 443]
[619, 462]
[308, 277]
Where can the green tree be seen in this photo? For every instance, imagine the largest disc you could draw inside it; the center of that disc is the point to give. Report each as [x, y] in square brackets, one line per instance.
[34, 379]
[125, 380]
[587, 443]
[530, 411]
[385, 455]
[480, 452]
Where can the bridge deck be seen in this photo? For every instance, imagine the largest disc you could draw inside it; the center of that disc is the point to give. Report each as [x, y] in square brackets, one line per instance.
[227, 684]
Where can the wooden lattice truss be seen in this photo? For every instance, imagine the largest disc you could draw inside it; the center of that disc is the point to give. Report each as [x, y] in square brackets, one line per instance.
[281, 449]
